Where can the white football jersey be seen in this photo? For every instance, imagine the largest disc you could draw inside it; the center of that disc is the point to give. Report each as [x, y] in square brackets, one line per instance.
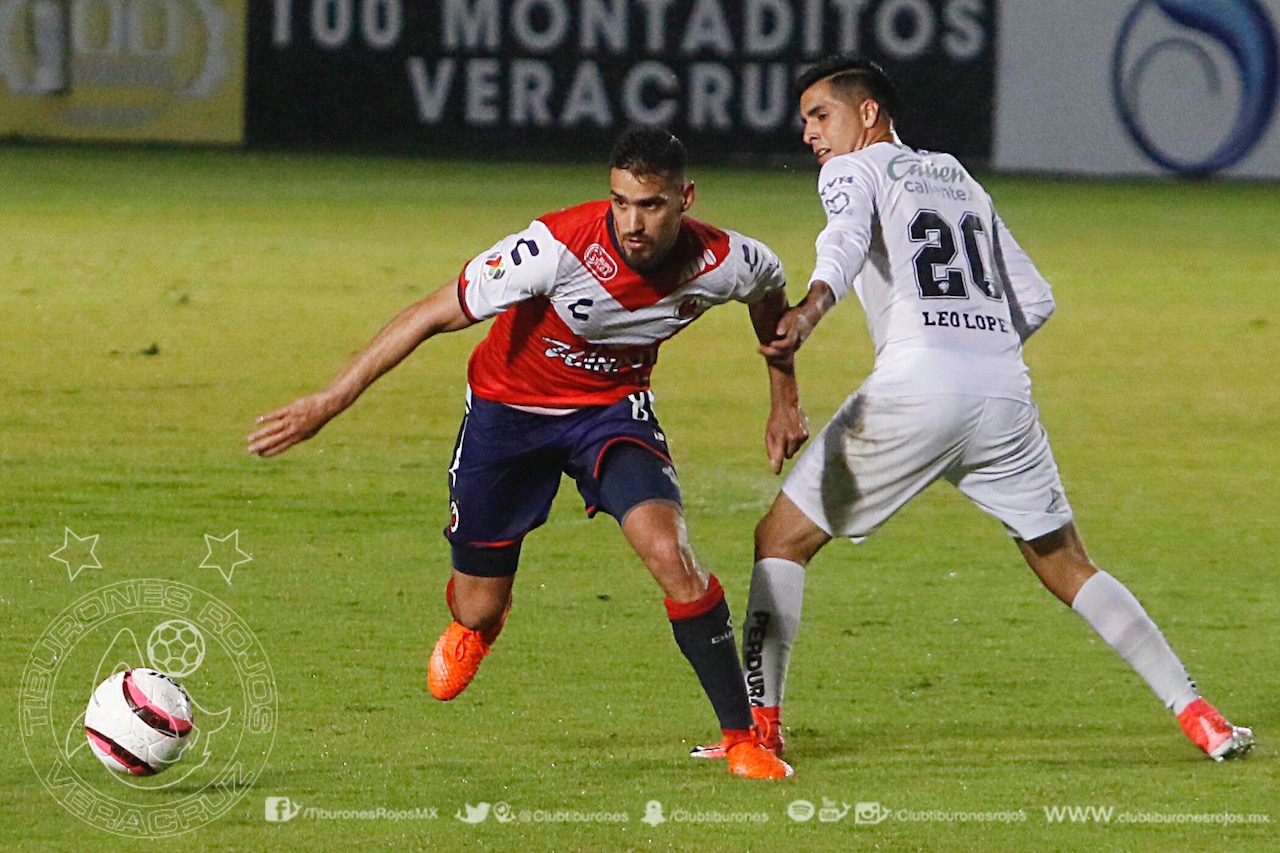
[949, 295]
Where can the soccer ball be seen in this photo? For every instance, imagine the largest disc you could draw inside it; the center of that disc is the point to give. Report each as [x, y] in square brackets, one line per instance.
[138, 722]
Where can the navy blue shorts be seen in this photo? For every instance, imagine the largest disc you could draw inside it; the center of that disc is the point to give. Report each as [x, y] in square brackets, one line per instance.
[507, 465]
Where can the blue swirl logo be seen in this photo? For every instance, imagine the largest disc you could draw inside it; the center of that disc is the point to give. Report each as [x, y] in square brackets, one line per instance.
[1243, 31]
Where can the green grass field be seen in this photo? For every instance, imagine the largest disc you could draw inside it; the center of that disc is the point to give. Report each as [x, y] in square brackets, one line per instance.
[154, 302]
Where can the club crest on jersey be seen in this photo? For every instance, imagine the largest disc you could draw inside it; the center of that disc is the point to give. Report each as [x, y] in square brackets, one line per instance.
[835, 202]
[599, 263]
[834, 199]
[493, 266]
[689, 308]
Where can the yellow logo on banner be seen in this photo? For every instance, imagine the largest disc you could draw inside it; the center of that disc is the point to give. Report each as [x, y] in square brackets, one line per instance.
[163, 70]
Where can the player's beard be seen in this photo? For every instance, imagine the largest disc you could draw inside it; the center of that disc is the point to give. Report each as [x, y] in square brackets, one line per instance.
[642, 264]
[652, 260]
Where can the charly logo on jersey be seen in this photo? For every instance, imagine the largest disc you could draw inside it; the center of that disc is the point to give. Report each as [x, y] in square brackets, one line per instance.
[597, 260]
[1183, 66]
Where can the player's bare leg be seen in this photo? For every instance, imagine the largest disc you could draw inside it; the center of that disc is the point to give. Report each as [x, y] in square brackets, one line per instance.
[657, 532]
[786, 540]
[479, 603]
[700, 622]
[1060, 561]
[787, 533]
[479, 606]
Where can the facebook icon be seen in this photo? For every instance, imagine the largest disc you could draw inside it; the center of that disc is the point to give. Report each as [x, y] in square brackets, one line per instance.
[281, 809]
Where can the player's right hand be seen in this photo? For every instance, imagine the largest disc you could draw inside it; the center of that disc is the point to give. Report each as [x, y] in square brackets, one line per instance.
[793, 329]
[785, 433]
[291, 424]
[797, 324]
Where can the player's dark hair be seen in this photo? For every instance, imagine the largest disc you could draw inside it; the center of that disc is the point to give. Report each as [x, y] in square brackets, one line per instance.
[852, 80]
[644, 151]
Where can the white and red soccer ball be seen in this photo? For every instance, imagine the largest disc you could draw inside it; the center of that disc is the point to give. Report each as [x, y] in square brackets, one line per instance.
[138, 722]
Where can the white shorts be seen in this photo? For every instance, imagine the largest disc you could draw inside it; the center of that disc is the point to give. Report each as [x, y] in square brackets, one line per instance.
[877, 453]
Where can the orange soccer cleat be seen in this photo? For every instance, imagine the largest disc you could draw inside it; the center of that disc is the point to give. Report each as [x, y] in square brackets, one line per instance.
[454, 661]
[768, 725]
[750, 758]
[1208, 730]
[769, 729]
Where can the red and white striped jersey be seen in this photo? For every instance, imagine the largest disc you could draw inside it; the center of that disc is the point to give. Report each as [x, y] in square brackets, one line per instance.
[575, 325]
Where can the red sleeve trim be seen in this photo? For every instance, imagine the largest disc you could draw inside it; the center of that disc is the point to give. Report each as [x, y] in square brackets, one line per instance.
[691, 609]
[462, 295]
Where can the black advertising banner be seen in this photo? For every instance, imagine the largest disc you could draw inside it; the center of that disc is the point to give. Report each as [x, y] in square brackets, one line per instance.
[507, 77]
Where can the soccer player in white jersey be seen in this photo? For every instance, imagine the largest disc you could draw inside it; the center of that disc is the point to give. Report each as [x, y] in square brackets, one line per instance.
[581, 301]
[950, 298]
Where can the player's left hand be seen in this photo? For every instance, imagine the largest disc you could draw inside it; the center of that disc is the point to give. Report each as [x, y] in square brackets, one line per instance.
[786, 432]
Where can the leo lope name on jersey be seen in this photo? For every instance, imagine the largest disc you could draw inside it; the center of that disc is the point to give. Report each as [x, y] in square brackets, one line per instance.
[962, 320]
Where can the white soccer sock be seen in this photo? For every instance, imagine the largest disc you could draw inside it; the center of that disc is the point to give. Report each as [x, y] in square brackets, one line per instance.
[773, 619]
[1114, 612]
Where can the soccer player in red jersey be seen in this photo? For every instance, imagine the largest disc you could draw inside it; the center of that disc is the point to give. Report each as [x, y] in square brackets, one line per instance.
[581, 300]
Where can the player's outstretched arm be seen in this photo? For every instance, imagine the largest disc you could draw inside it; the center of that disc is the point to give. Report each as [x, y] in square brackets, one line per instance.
[304, 417]
[788, 427]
